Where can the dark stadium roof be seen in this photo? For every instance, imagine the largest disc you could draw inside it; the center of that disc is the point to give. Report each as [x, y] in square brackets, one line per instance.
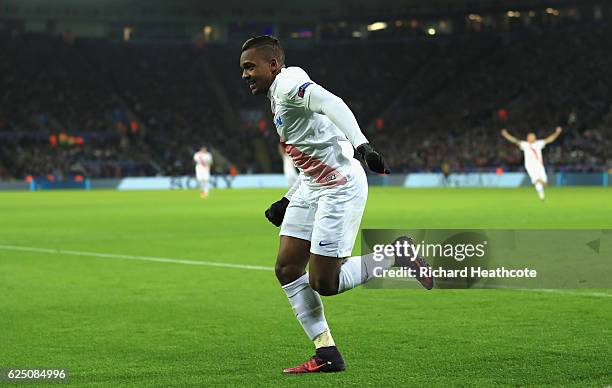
[320, 9]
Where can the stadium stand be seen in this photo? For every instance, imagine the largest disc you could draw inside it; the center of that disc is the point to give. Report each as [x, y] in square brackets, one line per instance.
[101, 108]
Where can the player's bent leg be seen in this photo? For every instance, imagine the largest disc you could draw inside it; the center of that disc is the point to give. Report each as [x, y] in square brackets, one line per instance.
[290, 272]
[201, 184]
[539, 186]
[307, 306]
[324, 274]
[293, 255]
[334, 233]
[331, 276]
[332, 220]
[205, 186]
[327, 279]
[538, 179]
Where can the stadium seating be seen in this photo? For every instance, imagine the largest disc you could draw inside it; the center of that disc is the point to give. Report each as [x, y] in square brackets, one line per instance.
[119, 109]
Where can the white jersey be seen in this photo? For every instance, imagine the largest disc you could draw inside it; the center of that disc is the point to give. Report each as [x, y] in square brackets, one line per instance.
[533, 153]
[319, 149]
[289, 169]
[203, 161]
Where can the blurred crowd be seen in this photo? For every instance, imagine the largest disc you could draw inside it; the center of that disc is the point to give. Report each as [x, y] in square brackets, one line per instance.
[111, 109]
[454, 109]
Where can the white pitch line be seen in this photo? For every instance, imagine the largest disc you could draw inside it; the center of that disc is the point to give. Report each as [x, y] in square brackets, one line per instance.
[564, 292]
[552, 291]
[238, 266]
[132, 257]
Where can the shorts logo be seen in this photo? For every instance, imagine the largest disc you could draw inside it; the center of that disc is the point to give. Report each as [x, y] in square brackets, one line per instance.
[278, 121]
[302, 89]
[325, 243]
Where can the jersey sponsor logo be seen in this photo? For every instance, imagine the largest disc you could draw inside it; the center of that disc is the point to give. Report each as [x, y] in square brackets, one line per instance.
[302, 89]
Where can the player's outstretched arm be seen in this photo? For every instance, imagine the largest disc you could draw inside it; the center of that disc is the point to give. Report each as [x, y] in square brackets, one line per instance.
[552, 137]
[324, 102]
[509, 137]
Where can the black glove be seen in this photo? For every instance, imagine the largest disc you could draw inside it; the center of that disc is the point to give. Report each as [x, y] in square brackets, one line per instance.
[373, 159]
[276, 212]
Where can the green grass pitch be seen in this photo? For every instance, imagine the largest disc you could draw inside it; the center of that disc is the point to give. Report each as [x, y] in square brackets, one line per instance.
[115, 322]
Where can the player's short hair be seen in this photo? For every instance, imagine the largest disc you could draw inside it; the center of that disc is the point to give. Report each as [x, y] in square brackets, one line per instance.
[270, 44]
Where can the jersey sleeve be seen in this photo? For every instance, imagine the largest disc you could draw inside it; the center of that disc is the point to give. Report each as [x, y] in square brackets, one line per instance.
[523, 145]
[295, 92]
[540, 144]
[324, 102]
[195, 157]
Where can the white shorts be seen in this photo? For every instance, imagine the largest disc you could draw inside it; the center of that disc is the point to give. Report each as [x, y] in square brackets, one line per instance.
[202, 174]
[328, 217]
[537, 173]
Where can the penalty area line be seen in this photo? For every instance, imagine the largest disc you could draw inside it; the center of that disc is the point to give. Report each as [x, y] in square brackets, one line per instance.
[133, 257]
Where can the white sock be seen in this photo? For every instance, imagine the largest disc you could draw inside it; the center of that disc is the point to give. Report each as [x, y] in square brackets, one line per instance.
[307, 306]
[358, 270]
[540, 189]
[205, 187]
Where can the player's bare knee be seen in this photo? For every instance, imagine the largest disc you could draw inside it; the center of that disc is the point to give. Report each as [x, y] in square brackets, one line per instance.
[286, 273]
[323, 287]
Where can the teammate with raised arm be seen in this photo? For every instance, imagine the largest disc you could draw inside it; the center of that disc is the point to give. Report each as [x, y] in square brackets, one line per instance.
[203, 161]
[532, 151]
[320, 215]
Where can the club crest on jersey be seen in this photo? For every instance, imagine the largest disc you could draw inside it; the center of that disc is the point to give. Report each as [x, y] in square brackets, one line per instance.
[302, 89]
[330, 177]
[278, 121]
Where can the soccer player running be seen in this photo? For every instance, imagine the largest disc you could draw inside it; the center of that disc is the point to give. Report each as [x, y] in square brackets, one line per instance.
[321, 212]
[203, 161]
[532, 151]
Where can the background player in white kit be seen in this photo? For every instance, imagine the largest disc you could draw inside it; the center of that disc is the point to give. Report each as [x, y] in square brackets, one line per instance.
[532, 151]
[203, 161]
[288, 168]
[325, 205]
